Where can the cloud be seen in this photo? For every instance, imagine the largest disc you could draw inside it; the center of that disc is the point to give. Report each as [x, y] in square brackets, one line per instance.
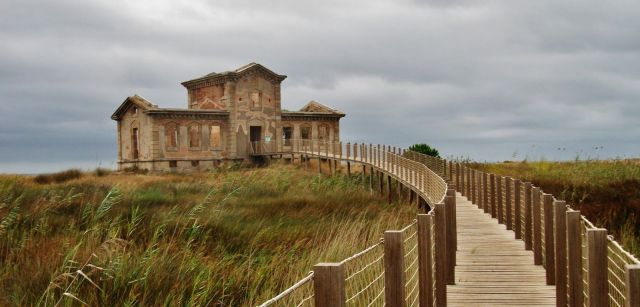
[479, 79]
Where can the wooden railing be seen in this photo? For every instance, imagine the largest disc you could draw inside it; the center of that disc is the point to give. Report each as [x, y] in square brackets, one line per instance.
[412, 266]
[587, 266]
[407, 267]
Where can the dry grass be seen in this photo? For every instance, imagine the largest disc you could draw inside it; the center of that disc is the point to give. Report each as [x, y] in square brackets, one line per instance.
[606, 192]
[232, 237]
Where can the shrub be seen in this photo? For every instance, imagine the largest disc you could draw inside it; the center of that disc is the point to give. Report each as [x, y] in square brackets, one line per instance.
[425, 149]
[58, 177]
[101, 172]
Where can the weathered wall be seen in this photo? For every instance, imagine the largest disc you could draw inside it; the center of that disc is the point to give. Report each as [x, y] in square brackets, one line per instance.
[256, 103]
[131, 120]
[332, 127]
[209, 97]
[183, 150]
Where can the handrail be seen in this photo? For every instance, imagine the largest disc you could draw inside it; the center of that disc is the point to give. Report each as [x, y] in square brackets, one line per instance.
[358, 279]
[582, 262]
[383, 158]
[606, 260]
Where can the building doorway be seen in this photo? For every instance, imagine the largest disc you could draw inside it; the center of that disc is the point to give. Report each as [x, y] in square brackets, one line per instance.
[255, 136]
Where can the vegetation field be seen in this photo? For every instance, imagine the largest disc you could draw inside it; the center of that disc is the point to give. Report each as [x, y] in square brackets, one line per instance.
[236, 236]
[606, 192]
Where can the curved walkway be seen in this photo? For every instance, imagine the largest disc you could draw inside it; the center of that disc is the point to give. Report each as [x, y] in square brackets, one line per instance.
[492, 268]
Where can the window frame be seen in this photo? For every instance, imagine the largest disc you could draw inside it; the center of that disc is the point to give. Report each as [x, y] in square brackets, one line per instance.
[220, 137]
[198, 134]
[175, 136]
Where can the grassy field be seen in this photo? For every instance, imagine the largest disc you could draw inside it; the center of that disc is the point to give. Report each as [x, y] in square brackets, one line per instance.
[606, 192]
[232, 237]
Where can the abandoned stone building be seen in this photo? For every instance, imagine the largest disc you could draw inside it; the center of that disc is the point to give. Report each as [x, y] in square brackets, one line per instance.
[225, 113]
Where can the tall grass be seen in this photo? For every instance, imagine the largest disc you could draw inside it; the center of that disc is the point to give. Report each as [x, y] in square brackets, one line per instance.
[232, 237]
[606, 192]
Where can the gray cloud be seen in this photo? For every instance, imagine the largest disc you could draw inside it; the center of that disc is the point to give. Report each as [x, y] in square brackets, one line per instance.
[480, 79]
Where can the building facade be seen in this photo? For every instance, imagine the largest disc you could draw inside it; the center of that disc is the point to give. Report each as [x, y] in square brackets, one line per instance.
[226, 112]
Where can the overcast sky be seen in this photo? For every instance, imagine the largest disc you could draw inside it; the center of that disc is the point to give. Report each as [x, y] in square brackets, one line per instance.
[491, 80]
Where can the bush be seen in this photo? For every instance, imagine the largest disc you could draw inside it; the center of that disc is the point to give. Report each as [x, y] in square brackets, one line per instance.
[58, 177]
[425, 149]
[101, 172]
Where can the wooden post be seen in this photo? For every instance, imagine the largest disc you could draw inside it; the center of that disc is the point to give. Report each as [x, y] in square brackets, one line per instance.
[319, 165]
[371, 179]
[528, 222]
[516, 209]
[508, 202]
[450, 213]
[549, 239]
[560, 249]
[458, 183]
[499, 184]
[473, 187]
[492, 196]
[394, 294]
[328, 285]
[441, 254]
[537, 226]
[348, 169]
[597, 264]
[381, 179]
[633, 285]
[573, 260]
[468, 183]
[389, 197]
[425, 260]
[485, 193]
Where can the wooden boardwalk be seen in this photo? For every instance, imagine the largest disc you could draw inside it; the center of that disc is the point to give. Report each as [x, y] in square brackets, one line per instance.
[494, 269]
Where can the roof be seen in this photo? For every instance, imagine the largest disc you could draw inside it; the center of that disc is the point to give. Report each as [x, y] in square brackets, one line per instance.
[136, 100]
[233, 75]
[314, 109]
[147, 107]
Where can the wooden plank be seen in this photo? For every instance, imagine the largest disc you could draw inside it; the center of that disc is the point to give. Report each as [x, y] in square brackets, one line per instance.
[517, 227]
[597, 263]
[633, 284]
[394, 268]
[440, 254]
[574, 258]
[550, 262]
[528, 217]
[328, 284]
[492, 268]
[560, 244]
[537, 225]
[425, 259]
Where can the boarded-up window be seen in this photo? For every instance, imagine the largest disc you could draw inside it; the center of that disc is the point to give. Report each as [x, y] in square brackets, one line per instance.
[194, 135]
[215, 137]
[171, 135]
[305, 133]
[287, 134]
[256, 99]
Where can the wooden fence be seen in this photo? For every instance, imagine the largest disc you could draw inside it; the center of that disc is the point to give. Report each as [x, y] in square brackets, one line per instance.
[413, 265]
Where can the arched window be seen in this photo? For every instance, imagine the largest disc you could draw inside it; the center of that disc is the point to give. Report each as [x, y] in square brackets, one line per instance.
[171, 135]
[194, 135]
